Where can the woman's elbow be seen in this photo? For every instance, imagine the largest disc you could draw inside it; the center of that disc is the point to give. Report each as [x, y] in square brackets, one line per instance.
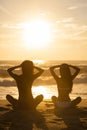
[8, 70]
[78, 70]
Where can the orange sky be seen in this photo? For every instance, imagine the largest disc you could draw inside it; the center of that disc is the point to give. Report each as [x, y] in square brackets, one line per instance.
[65, 25]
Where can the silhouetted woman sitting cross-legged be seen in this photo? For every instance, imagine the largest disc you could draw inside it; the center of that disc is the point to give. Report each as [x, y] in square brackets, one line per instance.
[24, 85]
[64, 84]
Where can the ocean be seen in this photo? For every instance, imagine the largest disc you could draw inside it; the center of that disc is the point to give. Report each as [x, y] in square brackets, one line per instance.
[45, 84]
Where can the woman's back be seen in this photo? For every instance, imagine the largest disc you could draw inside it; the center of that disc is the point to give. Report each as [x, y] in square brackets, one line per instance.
[64, 88]
[24, 87]
[64, 80]
[64, 84]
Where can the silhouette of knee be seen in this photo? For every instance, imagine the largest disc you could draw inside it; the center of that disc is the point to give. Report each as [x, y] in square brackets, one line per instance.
[54, 98]
[41, 97]
[79, 99]
[8, 97]
[76, 101]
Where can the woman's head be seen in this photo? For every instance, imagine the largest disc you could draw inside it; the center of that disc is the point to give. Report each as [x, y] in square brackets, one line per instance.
[65, 71]
[27, 67]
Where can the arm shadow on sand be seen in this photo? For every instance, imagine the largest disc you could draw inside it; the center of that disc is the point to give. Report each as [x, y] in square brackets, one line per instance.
[73, 118]
[22, 120]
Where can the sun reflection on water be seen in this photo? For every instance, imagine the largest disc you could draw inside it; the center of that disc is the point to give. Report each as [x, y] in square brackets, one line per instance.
[42, 90]
[47, 91]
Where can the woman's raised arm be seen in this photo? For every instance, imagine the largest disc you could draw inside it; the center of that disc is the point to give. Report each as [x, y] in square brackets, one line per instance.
[11, 69]
[53, 72]
[40, 71]
[77, 70]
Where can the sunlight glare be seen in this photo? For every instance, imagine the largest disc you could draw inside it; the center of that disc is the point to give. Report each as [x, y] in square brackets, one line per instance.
[36, 33]
[39, 61]
[40, 90]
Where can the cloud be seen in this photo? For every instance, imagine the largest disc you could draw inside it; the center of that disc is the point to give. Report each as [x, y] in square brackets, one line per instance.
[78, 5]
[72, 7]
[6, 11]
[81, 33]
[65, 20]
[11, 26]
[67, 28]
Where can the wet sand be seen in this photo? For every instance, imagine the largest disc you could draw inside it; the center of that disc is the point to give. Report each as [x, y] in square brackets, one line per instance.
[45, 117]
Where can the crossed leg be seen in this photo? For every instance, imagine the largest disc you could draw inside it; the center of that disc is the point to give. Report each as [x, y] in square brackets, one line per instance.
[75, 101]
[12, 100]
[72, 104]
[31, 105]
[37, 100]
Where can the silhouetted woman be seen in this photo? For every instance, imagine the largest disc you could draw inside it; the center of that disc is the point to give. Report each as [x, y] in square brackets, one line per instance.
[24, 85]
[64, 84]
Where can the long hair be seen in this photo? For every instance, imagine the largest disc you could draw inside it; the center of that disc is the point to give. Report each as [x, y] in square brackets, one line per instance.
[65, 71]
[66, 74]
[27, 67]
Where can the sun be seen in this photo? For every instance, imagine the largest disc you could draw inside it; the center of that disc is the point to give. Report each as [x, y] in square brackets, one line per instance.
[36, 33]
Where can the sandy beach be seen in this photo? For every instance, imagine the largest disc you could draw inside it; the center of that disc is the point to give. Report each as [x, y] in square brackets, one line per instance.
[44, 118]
